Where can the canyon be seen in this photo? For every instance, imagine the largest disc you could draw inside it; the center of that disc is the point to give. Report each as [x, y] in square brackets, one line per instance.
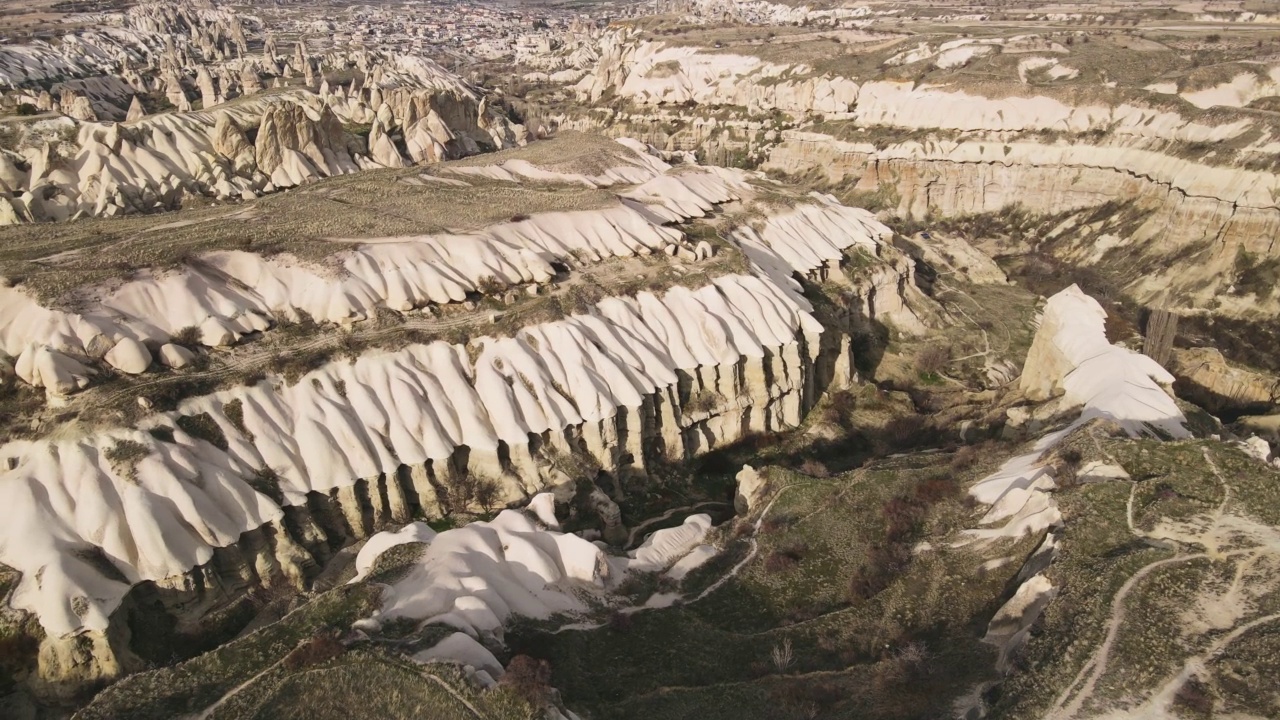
[693, 359]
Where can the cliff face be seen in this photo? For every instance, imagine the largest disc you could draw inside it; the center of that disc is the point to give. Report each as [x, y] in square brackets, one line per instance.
[1194, 176]
[256, 486]
[650, 73]
[1196, 220]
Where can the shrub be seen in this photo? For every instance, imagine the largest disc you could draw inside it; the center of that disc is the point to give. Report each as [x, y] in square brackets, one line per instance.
[1066, 466]
[620, 621]
[964, 458]
[901, 518]
[934, 488]
[883, 563]
[322, 647]
[188, 336]
[17, 655]
[490, 285]
[776, 522]
[814, 468]
[779, 563]
[781, 655]
[900, 432]
[806, 697]
[530, 678]
[1194, 696]
[204, 427]
[786, 557]
[471, 490]
[932, 360]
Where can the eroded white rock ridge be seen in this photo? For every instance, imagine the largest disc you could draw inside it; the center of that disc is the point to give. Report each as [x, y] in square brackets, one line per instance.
[1073, 365]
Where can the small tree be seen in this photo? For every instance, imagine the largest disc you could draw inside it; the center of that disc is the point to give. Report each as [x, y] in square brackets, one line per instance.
[487, 494]
[932, 360]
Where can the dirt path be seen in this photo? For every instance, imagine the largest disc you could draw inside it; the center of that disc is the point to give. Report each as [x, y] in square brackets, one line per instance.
[732, 573]
[635, 531]
[1213, 533]
[209, 711]
[1069, 703]
[454, 693]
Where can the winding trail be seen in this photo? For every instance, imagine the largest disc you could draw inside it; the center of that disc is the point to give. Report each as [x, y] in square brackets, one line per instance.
[732, 573]
[1071, 702]
[631, 537]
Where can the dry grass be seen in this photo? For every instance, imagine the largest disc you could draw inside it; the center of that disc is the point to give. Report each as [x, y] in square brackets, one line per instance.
[568, 152]
[51, 261]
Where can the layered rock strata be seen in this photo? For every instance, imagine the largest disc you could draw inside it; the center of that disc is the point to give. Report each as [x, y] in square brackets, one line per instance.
[259, 484]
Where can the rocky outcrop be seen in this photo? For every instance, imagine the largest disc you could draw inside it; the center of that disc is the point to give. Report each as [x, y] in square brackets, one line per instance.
[258, 484]
[1047, 151]
[750, 490]
[291, 138]
[1205, 377]
[1105, 383]
[230, 142]
[129, 356]
[157, 162]
[650, 73]
[1182, 203]
[136, 111]
[358, 445]
[1072, 360]
[402, 274]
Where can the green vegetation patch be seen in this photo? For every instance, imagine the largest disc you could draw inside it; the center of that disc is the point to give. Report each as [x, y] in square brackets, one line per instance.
[194, 685]
[369, 685]
[793, 633]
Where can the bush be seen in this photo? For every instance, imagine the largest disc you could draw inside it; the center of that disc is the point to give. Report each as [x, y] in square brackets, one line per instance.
[932, 360]
[188, 336]
[27, 109]
[530, 678]
[620, 621]
[471, 490]
[18, 654]
[1195, 697]
[813, 468]
[1066, 467]
[935, 488]
[964, 458]
[490, 286]
[776, 522]
[322, 647]
[786, 557]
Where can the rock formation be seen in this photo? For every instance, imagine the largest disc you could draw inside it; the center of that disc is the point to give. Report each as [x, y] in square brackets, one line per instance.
[253, 486]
